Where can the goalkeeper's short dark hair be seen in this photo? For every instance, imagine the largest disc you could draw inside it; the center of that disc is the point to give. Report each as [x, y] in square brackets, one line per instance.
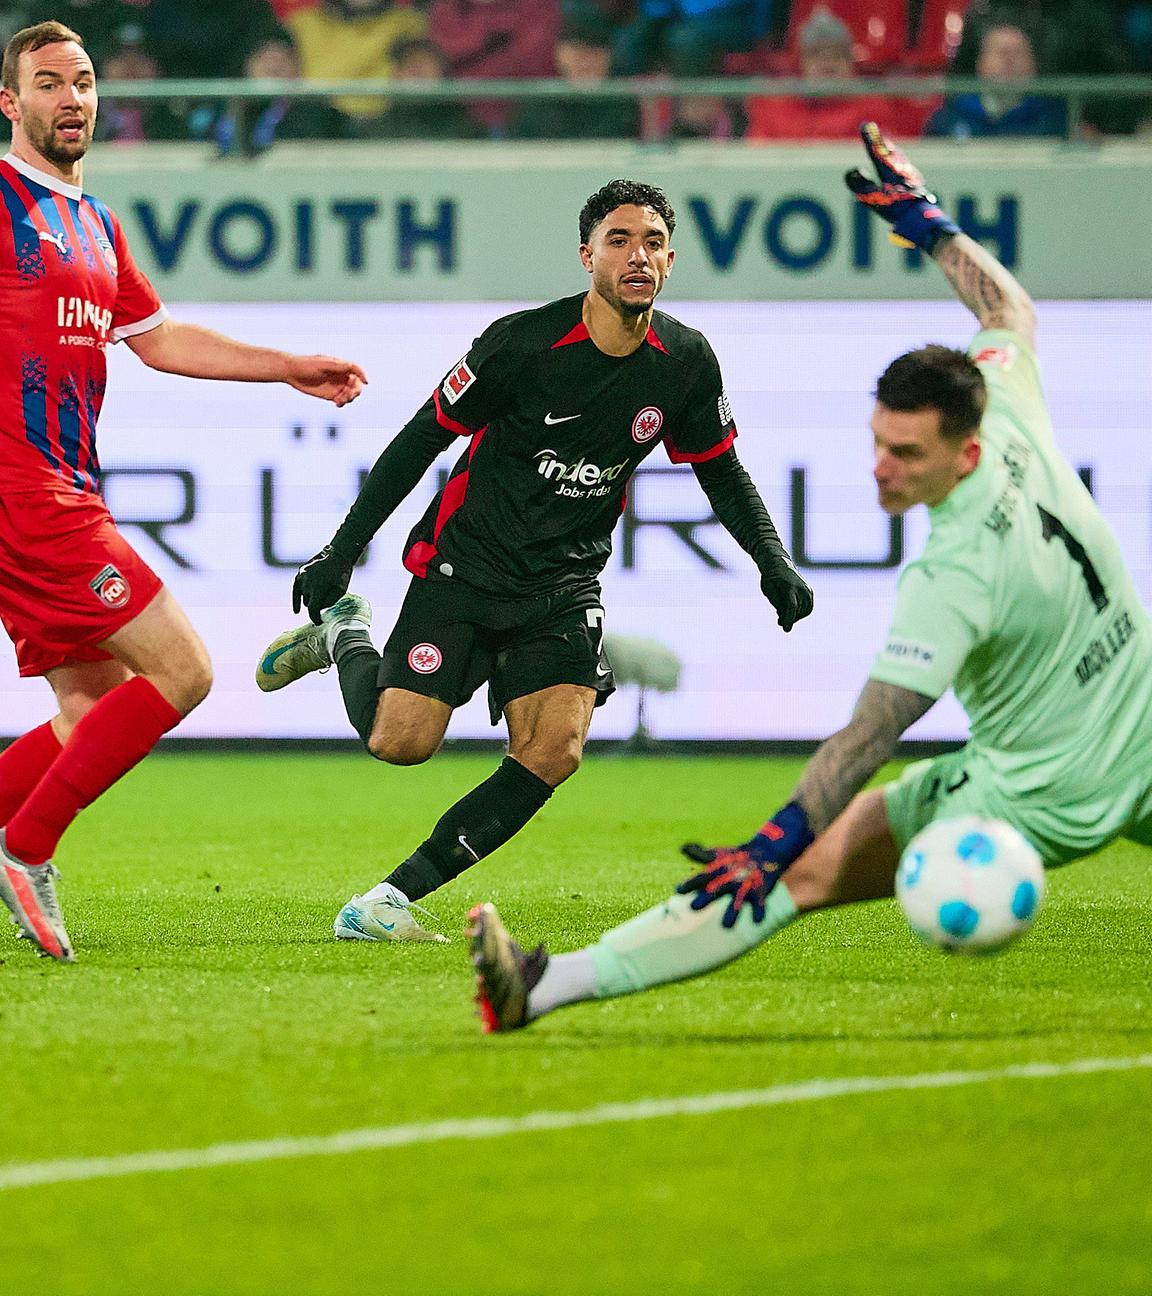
[621, 193]
[940, 378]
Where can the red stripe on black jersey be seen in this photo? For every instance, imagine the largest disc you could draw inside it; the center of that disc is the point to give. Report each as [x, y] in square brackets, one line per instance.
[678, 456]
[578, 334]
[653, 340]
[446, 420]
[418, 557]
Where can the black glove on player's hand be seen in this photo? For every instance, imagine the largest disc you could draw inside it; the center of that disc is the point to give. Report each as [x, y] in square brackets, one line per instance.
[788, 592]
[322, 581]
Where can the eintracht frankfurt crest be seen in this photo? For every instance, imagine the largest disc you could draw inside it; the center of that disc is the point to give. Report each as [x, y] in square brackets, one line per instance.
[647, 424]
[425, 658]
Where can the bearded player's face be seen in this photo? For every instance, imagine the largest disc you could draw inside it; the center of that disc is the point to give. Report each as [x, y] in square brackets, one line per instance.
[629, 256]
[55, 102]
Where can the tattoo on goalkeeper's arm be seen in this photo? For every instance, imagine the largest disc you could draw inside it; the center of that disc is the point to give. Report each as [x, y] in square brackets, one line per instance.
[989, 291]
[847, 760]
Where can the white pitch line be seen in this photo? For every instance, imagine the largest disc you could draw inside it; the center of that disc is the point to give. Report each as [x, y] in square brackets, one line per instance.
[39, 1173]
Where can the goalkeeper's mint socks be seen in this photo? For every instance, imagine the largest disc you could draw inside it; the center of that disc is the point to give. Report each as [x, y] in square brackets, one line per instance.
[672, 941]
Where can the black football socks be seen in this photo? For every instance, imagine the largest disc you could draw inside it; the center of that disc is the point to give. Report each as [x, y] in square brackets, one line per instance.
[358, 664]
[474, 827]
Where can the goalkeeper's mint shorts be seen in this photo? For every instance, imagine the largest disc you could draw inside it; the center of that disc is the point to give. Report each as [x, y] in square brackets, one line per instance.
[1061, 827]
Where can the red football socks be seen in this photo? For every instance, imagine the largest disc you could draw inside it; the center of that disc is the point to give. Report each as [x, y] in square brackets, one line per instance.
[119, 731]
[22, 764]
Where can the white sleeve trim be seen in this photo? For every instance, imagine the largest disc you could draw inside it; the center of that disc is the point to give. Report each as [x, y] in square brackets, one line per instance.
[141, 326]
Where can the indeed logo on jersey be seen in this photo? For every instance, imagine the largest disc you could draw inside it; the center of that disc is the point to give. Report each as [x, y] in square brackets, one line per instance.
[581, 480]
[75, 312]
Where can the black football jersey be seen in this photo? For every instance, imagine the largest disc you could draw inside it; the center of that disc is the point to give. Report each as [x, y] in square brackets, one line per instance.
[555, 429]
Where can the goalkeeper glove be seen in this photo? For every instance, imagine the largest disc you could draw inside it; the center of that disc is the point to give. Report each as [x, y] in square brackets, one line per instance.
[322, 581]
[901, 197]
[746, 874]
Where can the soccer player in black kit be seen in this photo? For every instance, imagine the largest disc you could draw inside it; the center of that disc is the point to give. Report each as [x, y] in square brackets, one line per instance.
[558, 406]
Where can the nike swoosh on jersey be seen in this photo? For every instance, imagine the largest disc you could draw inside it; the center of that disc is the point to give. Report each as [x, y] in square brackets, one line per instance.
[549, 421]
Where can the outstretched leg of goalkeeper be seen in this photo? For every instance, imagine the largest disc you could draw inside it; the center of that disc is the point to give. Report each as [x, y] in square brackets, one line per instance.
[854, 860]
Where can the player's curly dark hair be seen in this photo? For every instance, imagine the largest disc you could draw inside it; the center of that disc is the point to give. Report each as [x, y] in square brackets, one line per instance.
[940, 378]
[620, 193]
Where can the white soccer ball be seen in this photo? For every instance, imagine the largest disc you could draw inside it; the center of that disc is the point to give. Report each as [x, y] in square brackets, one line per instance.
[970, 884]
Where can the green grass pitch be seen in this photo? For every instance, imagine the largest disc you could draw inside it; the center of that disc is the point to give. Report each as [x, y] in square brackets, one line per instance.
[211, 1005]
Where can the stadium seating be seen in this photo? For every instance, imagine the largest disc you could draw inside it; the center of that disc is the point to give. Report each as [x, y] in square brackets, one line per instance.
[879, 29]
[941, 26]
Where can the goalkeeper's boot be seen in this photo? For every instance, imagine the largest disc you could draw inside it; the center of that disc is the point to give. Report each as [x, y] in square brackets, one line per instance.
[387, 918]
[301, 651]
[29, 891]
[504, 973]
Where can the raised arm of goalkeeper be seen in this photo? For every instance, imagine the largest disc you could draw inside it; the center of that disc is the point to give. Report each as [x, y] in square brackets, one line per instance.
[899, 196]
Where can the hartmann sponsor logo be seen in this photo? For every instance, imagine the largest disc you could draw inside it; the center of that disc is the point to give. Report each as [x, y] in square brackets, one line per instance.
[578, 480]
[75, 312]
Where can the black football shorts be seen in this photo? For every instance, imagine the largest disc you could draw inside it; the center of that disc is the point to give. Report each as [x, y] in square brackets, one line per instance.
[450, 638]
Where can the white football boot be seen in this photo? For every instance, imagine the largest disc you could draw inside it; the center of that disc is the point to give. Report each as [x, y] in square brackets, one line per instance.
[29, 891]
[304, 649]
[386, 918]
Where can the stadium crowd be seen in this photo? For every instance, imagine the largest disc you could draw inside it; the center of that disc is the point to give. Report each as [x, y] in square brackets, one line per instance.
[585, 42]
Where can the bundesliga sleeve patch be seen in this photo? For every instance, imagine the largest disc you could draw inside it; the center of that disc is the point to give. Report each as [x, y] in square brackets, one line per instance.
[458, 382]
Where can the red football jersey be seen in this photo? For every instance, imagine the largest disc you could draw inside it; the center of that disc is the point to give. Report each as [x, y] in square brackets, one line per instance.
[68, 287]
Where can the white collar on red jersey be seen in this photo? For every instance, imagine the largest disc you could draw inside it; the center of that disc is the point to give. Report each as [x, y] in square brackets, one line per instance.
[43, 178]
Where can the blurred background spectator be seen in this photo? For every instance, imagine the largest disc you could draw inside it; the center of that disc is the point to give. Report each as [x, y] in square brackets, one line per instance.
[496, 38]
[134, 121]
[825, 52]
[688, 37]
[417, 59]
[699, 117]
[581, 59]
[1089, 40]
[102, 23]
[353, 40]
[201, 38]
[1005, 53]
[1002, 43]
[878, 28]
[598, 20]
[254, 125]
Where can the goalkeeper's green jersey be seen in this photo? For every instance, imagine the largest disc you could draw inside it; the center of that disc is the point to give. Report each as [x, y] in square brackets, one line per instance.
[1021, 602]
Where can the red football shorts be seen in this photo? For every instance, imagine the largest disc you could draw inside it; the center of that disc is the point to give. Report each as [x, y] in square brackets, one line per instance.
[68, 578]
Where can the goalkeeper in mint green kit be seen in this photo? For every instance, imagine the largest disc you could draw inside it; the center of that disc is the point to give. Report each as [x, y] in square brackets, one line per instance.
[1020, 602]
